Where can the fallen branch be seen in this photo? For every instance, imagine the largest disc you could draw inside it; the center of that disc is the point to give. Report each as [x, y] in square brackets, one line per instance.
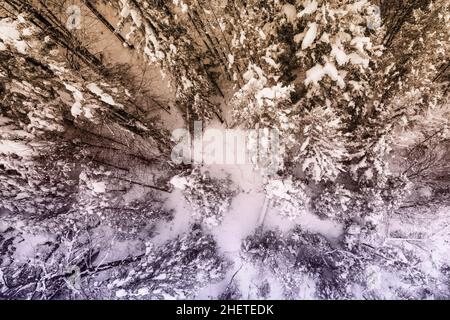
[144, 185]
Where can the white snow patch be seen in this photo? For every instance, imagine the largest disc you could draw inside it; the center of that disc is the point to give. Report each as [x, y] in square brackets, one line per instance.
[339, 54]
[162, 276]
[121, 293]
[230, 59]
[290, 12]
[15, 147]
[181, 221]
[8, 31]
[77, 107]
[310, 8]
[360, 43]
[179, 182]
[358, 60]
[95, 89]
[240, 222]
[27, 32]
[26, 249]
[99, 187]
[310, 36]
[9, 34]
[318, 72]
[143, 292]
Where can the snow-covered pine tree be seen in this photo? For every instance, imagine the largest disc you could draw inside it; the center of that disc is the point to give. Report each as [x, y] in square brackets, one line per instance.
[40, 117]
[210, 198]
[323, 148]
[287, 196]
[177, 270]
[161, 32]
